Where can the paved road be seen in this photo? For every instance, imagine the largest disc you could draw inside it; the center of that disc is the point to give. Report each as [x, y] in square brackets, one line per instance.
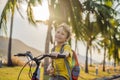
[114, 77]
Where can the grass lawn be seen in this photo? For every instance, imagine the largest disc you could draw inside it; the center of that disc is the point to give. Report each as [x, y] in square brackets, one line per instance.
[92, 73]
[11, 73]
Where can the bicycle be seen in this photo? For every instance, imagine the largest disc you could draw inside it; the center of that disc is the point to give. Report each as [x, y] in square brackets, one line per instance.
[37, 60]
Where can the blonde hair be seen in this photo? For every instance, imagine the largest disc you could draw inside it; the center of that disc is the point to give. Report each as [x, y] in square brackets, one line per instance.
[66, 28]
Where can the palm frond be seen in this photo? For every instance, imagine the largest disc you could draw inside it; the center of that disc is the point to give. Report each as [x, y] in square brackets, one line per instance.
[19, 11]
[9, 8]
[30, 14]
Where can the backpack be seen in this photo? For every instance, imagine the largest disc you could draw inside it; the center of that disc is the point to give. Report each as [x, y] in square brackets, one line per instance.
[75, 71]
[75, 67]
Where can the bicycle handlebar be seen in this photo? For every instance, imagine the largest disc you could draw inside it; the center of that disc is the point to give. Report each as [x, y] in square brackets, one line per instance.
[37, 60]
[29, 54]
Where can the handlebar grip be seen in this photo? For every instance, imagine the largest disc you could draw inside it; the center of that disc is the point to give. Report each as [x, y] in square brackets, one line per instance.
[48, 55]
[52, 56]
[23, 54]
[20, 54]
[28, 53]
[61, 56]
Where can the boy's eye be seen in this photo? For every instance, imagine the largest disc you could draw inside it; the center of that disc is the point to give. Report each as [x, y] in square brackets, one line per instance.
[63, 34]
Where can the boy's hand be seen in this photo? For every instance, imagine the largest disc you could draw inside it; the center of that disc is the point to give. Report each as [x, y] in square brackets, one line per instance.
[55, 54]
[50, 70]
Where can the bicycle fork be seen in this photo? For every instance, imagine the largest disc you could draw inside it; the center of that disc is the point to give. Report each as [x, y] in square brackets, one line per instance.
[36, 74]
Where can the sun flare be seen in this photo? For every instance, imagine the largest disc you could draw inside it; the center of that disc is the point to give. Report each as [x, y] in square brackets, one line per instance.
[41, 12]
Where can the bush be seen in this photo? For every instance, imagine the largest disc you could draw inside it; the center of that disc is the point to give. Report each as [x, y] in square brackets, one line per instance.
[17, 62]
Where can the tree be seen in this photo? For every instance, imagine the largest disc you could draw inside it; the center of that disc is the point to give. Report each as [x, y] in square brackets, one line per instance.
[103, 12]
[113, 49]
[10, 6]
[90, 35]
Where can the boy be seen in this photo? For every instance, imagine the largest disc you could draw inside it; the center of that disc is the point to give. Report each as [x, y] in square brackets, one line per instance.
[57, 67]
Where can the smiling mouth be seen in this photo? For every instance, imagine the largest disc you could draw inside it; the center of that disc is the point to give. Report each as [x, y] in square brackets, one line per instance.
[58, 38]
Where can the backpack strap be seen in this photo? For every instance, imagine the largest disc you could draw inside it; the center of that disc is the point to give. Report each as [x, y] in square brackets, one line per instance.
[62, 48]
[75, 57]
[66, 62]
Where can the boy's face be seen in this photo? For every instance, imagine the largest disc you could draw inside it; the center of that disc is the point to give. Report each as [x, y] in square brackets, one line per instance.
[60, 35]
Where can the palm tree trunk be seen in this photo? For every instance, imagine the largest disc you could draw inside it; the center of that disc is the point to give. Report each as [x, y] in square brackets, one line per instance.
[10, 42]
[86, 61]
[48, 38]
[104, 62]
[90, 57]
[115, 57]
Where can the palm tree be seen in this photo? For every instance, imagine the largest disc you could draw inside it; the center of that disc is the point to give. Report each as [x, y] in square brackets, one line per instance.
[115, 44]
[115, 38]
[10, 6]
[108, 34]
[91, 32]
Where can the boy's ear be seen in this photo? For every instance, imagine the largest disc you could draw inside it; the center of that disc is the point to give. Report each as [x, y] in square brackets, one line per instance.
[67, 39]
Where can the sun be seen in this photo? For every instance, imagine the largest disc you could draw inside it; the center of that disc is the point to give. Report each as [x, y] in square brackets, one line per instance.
[41, 12]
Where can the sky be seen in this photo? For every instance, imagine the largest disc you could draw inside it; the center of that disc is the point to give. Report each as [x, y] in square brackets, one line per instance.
[35, 36]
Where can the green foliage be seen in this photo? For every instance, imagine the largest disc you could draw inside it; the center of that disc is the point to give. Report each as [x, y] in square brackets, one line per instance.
[30, 14]
[68, 11]
[7, 11]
